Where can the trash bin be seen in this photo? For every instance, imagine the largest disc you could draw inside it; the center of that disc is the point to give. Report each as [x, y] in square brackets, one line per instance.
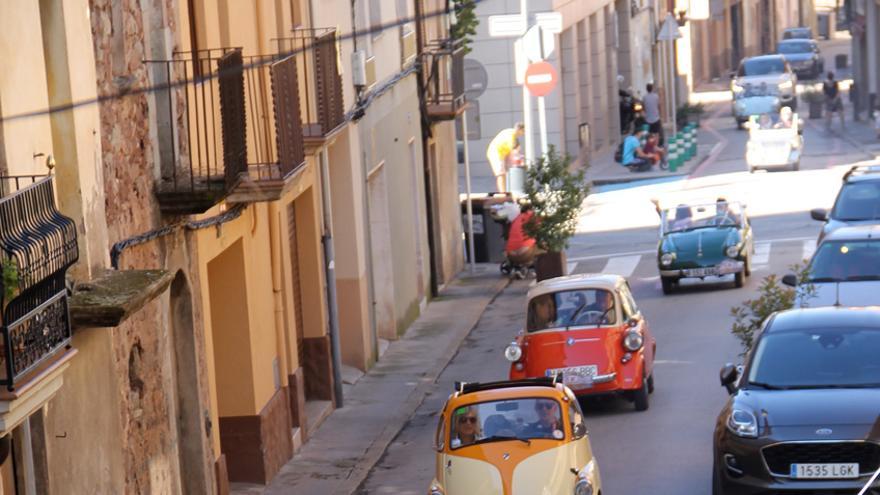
[489, 234]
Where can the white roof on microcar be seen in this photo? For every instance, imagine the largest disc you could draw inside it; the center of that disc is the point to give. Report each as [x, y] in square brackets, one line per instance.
[605, 281]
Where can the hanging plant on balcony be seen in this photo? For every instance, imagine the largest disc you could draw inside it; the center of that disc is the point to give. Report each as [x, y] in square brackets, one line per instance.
[9, 281]
[465, 25]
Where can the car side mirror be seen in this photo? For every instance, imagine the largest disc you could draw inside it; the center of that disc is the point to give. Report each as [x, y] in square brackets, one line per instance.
[633, 322]
[790, 280]
[820, 214]
[728, 376]
[579, 430]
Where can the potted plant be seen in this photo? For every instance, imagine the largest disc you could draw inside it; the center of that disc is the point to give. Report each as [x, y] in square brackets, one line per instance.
[688, 113]
[814, 99]
[556, 195]
[8, 280]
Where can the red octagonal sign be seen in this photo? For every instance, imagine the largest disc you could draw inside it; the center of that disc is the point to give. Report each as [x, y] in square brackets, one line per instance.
[540, 78]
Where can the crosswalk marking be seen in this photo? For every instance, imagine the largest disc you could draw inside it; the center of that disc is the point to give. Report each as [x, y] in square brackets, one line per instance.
[622, 265]
[762, 253]
[809, 249]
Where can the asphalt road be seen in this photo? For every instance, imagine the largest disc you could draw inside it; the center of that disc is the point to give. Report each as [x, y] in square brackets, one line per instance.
[667, 449]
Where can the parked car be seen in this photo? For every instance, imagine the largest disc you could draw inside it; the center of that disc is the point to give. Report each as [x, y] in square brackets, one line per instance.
[761, 85]
[804, 57]
[802, 413]
[844, 270]
[508, 437]
[799, 33]
[857, 203]
[704, 240]
[587, 328]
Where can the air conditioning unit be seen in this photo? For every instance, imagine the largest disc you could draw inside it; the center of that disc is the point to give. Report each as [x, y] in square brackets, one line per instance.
[359, 68]
[407, 47]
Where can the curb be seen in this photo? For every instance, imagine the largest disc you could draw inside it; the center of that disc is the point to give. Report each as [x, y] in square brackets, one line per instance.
[377, 449]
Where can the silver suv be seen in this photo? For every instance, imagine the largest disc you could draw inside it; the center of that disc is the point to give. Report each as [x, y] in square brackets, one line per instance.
[762, 85]
[844, 270]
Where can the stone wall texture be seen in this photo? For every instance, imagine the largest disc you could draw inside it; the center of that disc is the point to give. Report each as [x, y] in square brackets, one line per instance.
[143, 346]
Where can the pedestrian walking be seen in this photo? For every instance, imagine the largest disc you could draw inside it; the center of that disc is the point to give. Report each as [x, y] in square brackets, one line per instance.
[833, 101]
[652, 113]
[499, 153]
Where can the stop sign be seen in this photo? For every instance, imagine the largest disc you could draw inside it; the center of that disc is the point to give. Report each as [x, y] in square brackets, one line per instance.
[540, 78]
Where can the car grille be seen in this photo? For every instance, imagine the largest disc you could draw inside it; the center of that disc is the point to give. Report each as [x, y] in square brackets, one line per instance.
[781, 456]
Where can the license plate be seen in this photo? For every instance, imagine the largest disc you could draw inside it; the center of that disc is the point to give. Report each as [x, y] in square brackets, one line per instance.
[576, 376]
[825, 471]
[701, 272]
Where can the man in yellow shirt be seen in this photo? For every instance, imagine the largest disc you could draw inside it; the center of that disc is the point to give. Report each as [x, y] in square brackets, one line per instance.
[499, 151]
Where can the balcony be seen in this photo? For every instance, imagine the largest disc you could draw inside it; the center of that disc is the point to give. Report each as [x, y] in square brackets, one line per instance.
[231, 127]
[443, 76]
[37, 246]
[320, 85]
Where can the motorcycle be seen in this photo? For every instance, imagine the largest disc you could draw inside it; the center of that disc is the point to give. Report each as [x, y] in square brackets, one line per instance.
[631, 111]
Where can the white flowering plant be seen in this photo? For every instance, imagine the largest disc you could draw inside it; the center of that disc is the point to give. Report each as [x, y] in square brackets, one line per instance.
[556, 194]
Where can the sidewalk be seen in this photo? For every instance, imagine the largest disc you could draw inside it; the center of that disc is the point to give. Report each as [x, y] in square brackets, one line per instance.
[340, 454]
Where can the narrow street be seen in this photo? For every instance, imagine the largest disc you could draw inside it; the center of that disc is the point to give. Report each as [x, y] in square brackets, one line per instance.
[667, 449]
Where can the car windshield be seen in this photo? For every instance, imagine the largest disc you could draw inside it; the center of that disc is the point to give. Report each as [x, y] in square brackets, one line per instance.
[797, 33]
[761, 67]
[578, 307]
[839, 261]
[795, 47]
[506, 420]
[690, 217]
[858, 201]
[817, 358]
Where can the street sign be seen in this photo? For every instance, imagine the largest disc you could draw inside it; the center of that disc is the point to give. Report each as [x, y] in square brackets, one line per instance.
[669, 30]
[541, 78]
[550, 22]
[507, 26]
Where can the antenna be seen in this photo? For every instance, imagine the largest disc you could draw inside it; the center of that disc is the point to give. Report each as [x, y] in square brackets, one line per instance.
[837, 294]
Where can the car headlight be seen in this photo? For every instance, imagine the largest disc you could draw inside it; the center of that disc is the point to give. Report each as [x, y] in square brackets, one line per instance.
[583, 487]
[513, 352]
[666, 259]
[732, 251]
[736, 88]
[742, 423]
[633, 340]
[786, 84]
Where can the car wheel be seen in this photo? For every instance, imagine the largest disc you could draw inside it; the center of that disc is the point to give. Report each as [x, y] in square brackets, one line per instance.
[667, 283]
[739, 279]
[739, 124]
[748, 266]
[716, 480]
[796, 166]
[640, 396]
[651, 384]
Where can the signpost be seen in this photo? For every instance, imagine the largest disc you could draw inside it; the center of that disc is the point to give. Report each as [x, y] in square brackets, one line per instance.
[540, 80]
[669, 33]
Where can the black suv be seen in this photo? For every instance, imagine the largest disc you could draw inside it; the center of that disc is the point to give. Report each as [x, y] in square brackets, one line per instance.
[804, 413]
[857, 203]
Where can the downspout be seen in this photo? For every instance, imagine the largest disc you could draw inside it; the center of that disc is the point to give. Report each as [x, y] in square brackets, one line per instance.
[426, 162]
[330, 276]
[277, 291]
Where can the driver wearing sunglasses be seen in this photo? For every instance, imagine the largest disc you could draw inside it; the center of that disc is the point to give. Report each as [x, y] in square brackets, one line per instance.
[548, 420]
[468, 426]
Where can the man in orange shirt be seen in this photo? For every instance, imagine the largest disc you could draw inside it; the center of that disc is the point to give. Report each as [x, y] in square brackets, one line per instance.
[521, 249]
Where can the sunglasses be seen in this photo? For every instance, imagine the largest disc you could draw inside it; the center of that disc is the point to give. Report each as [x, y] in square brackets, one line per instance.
[544, 405]
[467, 419]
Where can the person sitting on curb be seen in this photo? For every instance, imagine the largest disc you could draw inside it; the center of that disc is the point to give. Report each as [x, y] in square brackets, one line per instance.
[653, 149]
[634, 157]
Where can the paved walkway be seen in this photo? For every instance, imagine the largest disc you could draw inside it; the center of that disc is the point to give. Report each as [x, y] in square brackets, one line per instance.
[340, 454]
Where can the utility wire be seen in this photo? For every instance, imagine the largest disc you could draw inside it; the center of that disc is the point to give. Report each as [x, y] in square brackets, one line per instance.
[261, 61]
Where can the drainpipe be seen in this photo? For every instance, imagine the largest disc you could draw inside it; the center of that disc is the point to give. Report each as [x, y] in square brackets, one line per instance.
[426, 162]
[330, 275]
[277, 291]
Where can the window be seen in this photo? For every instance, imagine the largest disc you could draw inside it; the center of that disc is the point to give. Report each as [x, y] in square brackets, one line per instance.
[858, 201]
[761, 67]
[576, 419]
[838, 261]
[571, 308]
[506, 420]
[440, 439]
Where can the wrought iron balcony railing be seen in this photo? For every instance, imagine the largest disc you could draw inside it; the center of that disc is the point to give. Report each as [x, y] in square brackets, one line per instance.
[320, 84]
[443, 76]
[235, 128]
[37, 246]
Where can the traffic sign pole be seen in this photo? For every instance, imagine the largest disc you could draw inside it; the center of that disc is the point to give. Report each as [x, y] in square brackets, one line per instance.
[542, 121]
